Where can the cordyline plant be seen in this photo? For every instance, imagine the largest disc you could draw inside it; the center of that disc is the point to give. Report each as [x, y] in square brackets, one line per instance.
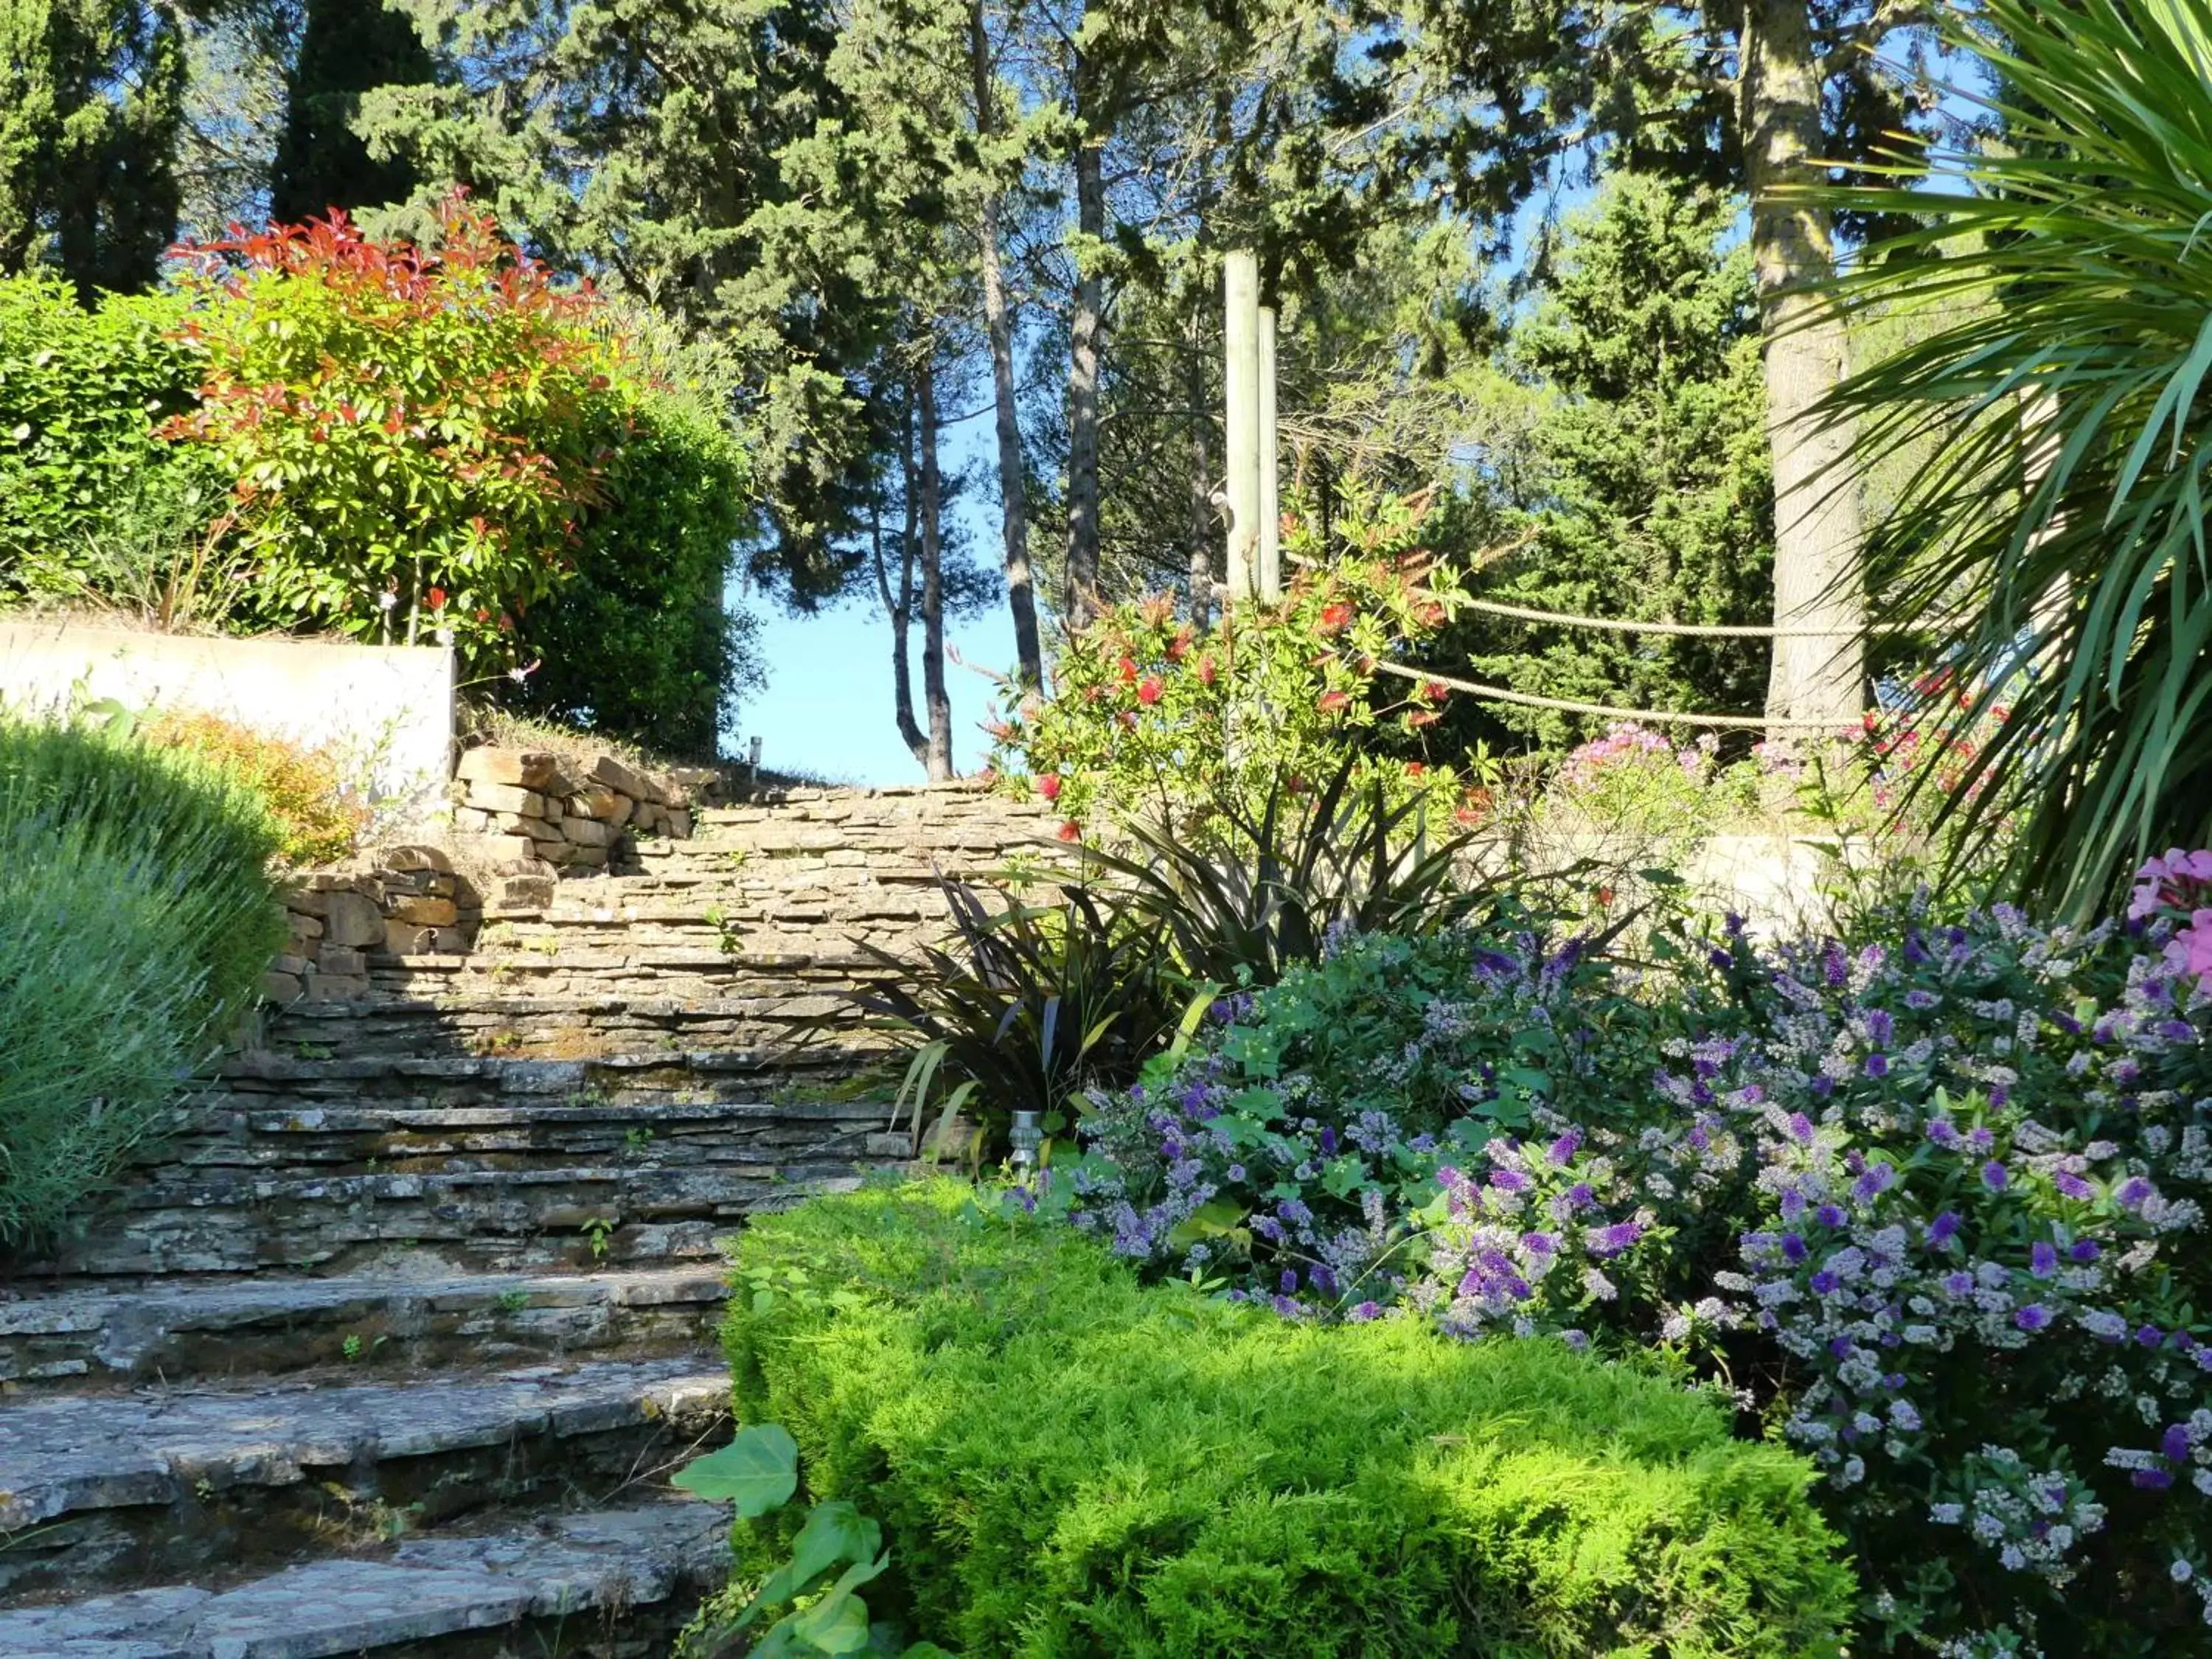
[409, 430]
[2068, 297]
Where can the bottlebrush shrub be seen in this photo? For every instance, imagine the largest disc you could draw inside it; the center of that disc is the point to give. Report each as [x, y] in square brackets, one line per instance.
[1066, 1463]
[1931, 1198]
[1145, 712]
[407, 432]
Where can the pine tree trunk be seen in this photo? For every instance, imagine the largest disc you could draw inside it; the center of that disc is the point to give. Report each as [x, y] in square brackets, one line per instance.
[939, 754]
[900, 609]
[998, 330]
[1082, 389]
[1818, 539]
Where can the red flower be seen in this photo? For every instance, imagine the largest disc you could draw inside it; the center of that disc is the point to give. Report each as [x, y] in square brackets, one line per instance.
[1420, 717]
[437, 598]
[1604, 898]
[1331, 702]
[1414, 768]
[1071, 830]
[1335, 617]
[1206, 671]
[1179, 646]
[1435, 690]
[1149, 692]
[1129, 672]
[1048, 786]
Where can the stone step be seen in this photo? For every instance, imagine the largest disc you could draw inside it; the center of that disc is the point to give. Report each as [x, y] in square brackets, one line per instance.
[386, 1110]
[611, 1584]
[799, 1035]
[415, 1048]
[185, 1485]
[206, 1220]
[109, 1334]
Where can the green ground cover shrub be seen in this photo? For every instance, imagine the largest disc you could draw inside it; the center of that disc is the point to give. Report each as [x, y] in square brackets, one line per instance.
[136, 917]
[1066, 1464]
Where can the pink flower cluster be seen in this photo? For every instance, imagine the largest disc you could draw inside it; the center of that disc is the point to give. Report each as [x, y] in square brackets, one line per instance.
[2179, 881]
[1631, 743]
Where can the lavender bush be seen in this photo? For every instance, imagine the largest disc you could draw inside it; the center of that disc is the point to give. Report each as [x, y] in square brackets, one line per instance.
[1927, 1202]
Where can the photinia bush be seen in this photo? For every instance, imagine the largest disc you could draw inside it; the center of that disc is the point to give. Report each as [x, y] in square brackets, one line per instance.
[408, 432]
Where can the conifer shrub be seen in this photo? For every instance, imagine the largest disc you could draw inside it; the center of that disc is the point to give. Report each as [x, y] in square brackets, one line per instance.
[1067, 1464]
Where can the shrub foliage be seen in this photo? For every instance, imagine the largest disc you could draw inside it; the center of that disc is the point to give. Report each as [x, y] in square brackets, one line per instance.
[1928, 1195]
[1067, 1464]
[136, 920]
[361, 437]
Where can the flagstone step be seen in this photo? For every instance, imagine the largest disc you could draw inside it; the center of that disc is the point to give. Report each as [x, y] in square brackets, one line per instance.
[212, 1220]
[795, 1033]
[611, 1584]
[173, 1330]
[183, 1485]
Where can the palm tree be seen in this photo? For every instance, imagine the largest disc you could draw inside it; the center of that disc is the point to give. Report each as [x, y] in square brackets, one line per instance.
[2057, 286]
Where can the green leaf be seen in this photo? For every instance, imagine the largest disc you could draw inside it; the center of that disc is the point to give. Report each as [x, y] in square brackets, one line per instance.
[1214, 1218]
[758, 1471]
[834, 1532]
[838, 1623]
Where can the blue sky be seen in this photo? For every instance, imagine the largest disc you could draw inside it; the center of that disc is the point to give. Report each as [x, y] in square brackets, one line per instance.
[828, 707]
[827, 710]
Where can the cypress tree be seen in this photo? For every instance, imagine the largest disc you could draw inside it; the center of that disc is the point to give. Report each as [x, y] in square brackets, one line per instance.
[347, 48]
[91, 97]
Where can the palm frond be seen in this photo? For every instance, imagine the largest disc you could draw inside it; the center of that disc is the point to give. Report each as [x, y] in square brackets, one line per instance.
[2063, 338]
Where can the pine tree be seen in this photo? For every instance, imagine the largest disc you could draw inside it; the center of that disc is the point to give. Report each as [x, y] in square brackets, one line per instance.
[1639, 485]
[347, 48]
[91, 99]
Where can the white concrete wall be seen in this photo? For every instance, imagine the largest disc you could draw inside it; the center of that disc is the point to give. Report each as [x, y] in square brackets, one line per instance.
[386, 711]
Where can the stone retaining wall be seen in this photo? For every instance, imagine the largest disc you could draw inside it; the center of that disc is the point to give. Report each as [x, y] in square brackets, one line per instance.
[522, 804]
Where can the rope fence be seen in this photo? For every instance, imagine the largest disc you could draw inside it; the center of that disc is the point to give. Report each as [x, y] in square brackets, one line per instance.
[1568, 706]
[1687, 630]
[1622, 625]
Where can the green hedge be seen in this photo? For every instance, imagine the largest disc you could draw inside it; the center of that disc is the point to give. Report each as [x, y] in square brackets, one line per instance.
[642, 642]
[81, 391]
[136, 917]
[1067, 1463]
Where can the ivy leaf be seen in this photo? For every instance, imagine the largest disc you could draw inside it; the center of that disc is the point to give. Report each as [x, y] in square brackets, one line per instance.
[758, 1471]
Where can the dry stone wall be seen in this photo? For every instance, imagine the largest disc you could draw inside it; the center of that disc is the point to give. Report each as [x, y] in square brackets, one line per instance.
[527, 805]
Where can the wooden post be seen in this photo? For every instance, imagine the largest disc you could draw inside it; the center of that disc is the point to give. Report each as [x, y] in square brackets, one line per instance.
[1241, 298]
[1271, 509]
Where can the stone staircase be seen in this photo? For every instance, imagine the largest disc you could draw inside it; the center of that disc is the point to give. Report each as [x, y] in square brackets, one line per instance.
[390, 1348]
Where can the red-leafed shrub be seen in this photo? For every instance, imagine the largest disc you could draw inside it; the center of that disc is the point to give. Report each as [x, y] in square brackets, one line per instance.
[410, 434]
